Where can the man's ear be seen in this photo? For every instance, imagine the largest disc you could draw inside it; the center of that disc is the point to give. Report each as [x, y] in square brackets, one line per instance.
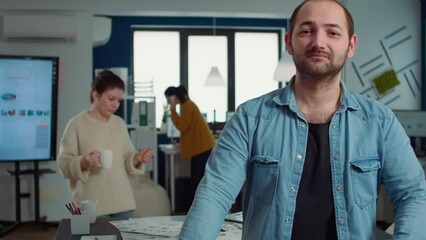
[352, 46]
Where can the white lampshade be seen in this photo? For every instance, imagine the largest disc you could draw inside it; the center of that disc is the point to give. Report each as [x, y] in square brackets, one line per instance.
[214, 78]
[285, 68]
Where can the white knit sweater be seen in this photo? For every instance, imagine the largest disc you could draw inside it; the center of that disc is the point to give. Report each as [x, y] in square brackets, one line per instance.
[111, 187]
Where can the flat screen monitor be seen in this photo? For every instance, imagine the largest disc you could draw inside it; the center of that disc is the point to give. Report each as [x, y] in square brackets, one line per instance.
[28, 107]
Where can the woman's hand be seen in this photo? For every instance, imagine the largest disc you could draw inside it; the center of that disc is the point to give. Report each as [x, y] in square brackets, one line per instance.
[143, 156]
[172, 100]
[92, 161]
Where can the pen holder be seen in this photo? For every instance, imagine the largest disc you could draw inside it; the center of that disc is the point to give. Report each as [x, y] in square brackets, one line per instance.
[80, 224]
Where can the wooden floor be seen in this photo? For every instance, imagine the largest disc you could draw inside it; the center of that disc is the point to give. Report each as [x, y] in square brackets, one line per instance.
[31, 231]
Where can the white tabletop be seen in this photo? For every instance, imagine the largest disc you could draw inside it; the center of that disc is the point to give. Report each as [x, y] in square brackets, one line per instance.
[169, 148]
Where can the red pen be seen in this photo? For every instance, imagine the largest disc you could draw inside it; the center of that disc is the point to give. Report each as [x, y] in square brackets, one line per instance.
[75, 209]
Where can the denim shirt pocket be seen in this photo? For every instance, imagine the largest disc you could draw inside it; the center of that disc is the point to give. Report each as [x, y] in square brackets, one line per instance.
[364, 180]
[263, 178]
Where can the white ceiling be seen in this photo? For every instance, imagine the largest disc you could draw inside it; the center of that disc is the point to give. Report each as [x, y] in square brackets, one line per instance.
[226, 8]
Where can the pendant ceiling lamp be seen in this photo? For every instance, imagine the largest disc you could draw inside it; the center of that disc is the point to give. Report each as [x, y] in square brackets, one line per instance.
[285, 68]
[214, 78]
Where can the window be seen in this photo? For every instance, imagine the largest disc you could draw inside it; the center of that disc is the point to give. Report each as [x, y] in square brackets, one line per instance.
[256, 57]
[246, 60]
[203, 53]
[156, 60]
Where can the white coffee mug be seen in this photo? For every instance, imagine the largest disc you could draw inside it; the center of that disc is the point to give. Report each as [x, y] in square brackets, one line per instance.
[106, 158]
[89, 207]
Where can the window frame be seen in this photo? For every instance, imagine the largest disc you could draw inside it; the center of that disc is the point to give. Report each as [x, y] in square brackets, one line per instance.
[229, 32]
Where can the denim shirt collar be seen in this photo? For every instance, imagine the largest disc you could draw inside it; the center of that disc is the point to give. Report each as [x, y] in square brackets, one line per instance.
[286, 97]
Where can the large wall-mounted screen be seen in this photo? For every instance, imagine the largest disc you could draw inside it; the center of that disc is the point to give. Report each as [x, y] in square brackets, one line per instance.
[28, 107]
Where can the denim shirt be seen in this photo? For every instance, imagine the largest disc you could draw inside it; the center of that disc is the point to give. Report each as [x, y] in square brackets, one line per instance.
[262, 149]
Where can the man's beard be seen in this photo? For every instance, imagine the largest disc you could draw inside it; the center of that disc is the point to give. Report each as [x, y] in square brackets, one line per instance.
[318, 71]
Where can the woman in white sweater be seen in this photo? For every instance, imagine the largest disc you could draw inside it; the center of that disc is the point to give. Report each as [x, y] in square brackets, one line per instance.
[99, 129]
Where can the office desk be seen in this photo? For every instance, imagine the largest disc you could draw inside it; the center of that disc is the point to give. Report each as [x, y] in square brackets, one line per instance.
[103, 227]
[170, 150]
[100, 227]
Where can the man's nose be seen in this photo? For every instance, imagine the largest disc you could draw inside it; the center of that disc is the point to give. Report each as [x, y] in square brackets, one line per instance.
[319, 39]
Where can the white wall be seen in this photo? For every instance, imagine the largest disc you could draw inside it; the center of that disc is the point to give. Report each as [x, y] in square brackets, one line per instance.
[76, 61]
[74, 87]
[389, 38]
[251, 8]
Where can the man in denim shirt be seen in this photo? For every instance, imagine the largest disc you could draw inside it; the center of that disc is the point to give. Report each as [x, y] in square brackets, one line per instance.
[313, 155]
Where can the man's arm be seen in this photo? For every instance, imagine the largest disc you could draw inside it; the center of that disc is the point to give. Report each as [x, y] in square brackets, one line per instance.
[224, 176]
[405, 182]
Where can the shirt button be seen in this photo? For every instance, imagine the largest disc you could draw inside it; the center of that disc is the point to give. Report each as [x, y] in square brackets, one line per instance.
[302, 125]
[334, 126]
[341, 222]
[287, 221]
[336, 157]
[298, 157]
[292, 188]
[338, 188]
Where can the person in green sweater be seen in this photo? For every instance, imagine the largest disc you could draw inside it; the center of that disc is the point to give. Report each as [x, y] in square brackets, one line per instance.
[196, 139]
[91, 131]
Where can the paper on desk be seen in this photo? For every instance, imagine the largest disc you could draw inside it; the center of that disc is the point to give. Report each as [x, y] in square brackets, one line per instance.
[235, 217]
[99, 237]
[166, 228]
[154, 226]
[230, 231]
[141, 236]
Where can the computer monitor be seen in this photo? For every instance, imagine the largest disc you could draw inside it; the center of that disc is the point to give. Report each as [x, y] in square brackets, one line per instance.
[28, 107]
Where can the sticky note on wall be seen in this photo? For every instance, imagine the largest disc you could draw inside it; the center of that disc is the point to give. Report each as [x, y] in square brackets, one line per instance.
[386, 81]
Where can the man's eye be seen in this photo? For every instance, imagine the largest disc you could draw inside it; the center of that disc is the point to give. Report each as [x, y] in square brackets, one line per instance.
[334, 34]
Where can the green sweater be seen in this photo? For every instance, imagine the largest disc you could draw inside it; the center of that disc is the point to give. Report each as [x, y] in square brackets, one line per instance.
[111, 187]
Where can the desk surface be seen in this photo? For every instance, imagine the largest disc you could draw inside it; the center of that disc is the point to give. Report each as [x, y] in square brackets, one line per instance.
[100, 227]
[170, 148]
[103, 227]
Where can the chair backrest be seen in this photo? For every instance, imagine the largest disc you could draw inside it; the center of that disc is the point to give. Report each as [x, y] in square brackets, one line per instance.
[151, 198]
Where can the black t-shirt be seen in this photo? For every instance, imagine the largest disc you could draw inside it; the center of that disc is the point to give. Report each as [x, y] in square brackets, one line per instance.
[314, 217]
